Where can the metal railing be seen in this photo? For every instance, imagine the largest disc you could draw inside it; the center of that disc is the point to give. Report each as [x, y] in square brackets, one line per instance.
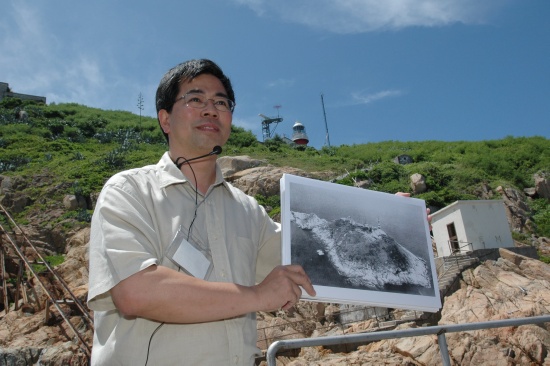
[438, 330]
[52, 298]
[456, 243]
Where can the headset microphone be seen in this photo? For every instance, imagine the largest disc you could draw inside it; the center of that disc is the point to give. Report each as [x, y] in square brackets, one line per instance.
[217, 150]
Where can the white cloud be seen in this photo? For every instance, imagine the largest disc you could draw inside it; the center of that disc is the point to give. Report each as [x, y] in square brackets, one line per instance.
[23, 42]
[359, 98]
[34, 61]
[357, 16]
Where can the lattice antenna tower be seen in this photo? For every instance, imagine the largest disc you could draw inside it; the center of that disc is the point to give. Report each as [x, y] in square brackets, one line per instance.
[267, 132]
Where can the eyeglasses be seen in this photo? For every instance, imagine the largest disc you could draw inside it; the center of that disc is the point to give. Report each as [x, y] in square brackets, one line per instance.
[196, 100]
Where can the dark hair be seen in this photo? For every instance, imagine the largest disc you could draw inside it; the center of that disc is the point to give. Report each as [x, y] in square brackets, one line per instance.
[169, 85]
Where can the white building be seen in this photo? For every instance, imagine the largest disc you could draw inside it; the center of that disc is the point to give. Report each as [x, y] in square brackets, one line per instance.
[465, 226]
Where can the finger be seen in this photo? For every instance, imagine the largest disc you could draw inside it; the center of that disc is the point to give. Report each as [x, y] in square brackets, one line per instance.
[308, 287]
[299, 276]
[287, 306]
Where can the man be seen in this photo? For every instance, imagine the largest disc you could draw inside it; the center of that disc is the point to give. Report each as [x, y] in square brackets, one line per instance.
[180, 260]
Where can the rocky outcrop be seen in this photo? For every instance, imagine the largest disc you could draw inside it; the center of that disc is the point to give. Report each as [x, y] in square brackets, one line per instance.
[29, 336]
[517, 210]
[233, 164]
[249, 176]
[511, 287]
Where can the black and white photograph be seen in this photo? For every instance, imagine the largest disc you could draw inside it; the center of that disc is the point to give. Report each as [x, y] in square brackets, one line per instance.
[359, 246]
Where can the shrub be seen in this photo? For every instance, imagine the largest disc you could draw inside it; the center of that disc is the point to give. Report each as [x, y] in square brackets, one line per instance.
[115, 159]
[272, 203]
[386, 171]
[541, 216]
[53, 260]
[88, 128]
[240, 138]
[13, 163]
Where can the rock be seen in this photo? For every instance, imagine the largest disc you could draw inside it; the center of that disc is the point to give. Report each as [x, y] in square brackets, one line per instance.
[403, 159]
[233, 164]
[15, 202]
[531, 192]
[263, 180]
[542, 185]
[73, 202]
[512, 286]
[70, 202]
[11, 183]
[517, 210]
[19, 356]
[483, 192]
[80, 238]
[543, 245]
[365, 184]
[23, 115]
[418, 183]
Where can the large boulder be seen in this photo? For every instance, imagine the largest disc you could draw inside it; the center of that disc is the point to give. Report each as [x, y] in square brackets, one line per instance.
[418, 183]
[263, 180]
[233, 164]
[542, 185]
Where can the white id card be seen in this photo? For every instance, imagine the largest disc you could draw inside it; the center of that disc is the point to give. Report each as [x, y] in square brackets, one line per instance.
[189, 257]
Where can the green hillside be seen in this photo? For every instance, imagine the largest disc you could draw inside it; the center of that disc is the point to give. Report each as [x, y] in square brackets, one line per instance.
[72, 149]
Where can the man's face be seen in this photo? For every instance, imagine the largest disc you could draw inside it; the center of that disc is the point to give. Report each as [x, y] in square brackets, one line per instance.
[195, 131]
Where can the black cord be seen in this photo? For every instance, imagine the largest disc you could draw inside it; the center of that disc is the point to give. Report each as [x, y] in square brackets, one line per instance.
[178, 165]
[188, 236]
[150, 339]
[196, 202]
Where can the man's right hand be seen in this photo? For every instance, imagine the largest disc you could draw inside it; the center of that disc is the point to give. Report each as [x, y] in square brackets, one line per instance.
[281, 289]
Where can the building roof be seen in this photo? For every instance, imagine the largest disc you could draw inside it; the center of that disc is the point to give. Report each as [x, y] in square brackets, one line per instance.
[455, 205]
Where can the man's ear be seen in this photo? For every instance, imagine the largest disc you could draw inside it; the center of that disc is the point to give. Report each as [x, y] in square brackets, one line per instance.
[164, 120]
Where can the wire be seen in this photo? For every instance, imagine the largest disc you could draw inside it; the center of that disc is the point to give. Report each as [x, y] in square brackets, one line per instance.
[188, 236]
[178, 165]
[196, 202]
[150, 339]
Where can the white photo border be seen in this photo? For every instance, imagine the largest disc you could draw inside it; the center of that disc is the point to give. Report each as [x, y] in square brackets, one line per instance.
[336, 200]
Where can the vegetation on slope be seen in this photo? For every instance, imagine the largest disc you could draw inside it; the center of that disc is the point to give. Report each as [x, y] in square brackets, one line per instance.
[81, 147]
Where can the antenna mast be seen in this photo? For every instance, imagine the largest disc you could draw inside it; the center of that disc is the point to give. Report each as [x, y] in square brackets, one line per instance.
[266, 131]
[327, 139]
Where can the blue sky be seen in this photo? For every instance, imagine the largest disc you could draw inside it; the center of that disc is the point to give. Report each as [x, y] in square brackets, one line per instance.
[405, 70]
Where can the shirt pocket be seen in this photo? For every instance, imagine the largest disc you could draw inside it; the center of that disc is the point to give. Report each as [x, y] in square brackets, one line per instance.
[243, 256]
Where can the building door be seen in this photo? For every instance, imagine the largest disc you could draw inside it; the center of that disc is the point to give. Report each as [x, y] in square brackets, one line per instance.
[453, 238]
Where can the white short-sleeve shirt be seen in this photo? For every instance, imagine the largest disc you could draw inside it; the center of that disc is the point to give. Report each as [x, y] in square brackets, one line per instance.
[136, 218]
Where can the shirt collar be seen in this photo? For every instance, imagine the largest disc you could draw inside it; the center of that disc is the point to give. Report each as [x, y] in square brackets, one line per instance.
[169, 174]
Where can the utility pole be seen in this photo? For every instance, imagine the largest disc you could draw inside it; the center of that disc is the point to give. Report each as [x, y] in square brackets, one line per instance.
[140, 105]
[327, 139]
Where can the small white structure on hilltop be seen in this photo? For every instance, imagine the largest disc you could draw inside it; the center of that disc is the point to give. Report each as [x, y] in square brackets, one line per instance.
[465, 226]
